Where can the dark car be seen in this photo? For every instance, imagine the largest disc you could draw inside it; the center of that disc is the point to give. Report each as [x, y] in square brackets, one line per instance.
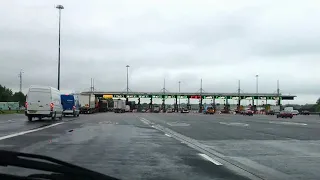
[285, 114]
[248, 113]
[305, 112]
[270, 113]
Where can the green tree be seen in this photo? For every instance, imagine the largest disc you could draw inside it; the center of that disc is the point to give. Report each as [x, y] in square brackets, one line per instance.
[5, 94]
[19, 97]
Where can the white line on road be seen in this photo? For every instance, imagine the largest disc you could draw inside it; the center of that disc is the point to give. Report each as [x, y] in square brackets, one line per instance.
[167, 135]
[288, 123]
[206, 157]
[30, 131]
[234, 124]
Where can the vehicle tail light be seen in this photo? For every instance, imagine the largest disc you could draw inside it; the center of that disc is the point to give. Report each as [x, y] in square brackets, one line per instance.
[51, 106]
[73, 107]
[26, 105]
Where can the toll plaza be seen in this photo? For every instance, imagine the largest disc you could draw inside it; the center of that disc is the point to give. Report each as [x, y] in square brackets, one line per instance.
[184, 95]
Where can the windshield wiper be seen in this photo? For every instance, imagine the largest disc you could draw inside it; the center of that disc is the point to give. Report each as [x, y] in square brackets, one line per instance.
[60, 169]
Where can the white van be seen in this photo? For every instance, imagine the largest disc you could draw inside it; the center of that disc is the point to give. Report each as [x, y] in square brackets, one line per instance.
[43, 101]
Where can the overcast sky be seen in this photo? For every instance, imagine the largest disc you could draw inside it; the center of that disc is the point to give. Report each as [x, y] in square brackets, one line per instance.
[179, 40]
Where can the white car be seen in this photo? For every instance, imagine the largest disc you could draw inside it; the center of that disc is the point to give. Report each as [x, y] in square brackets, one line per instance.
[295, 112]
[169, 110]
[184, 110]
[43, 101]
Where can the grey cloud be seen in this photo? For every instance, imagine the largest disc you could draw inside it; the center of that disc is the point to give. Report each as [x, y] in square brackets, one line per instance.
[172, 41]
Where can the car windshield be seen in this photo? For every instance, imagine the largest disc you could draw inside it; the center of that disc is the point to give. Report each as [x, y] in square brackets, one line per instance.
[161, 89]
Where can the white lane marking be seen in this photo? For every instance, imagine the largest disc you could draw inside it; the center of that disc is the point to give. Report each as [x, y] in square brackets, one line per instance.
[29, 131]
[167, 135]
[234, 124]
[178, 124]
[206, 157]
[288, 123]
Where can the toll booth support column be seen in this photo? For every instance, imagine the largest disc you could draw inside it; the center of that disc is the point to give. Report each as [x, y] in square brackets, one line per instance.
[163, 104]
[227, 106]
[200, 105]
[127, 100]
[253, 107]
[279, 103]
[188, 105]
[139, 105]
[176, 104]
[151, 105]
[239, 104]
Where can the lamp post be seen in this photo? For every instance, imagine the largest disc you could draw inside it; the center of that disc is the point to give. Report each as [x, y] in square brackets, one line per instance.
[179, 95]
[257, 89]
[127, 79]
[60, 7]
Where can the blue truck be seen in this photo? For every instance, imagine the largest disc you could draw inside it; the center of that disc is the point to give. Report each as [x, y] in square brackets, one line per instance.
[70, 104]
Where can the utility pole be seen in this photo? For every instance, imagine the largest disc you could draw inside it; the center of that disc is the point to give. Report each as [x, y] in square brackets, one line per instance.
[179, 94]
[239, 97]
[60, 7]
[201, 87]
[278, 94]
[91, 87]
[92, 84]
[200, 108]
[20, 77]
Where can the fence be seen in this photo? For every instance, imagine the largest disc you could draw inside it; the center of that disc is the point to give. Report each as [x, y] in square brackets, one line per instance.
[9, 105]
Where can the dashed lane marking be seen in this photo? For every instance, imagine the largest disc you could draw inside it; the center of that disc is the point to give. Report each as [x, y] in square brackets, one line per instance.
[29, 131]
[288, 123]
[206, 157]
[234, 124]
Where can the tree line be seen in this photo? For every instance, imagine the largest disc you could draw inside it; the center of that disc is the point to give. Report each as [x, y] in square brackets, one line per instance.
[7, 95]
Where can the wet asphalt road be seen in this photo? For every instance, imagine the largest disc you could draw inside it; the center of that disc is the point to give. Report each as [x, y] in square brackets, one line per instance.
[174, 146]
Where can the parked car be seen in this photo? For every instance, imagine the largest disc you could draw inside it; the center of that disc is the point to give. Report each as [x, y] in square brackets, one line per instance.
[184, 110]
[270, 113]
[70, 104]
[43, 101]
[169, 110]
[208, 110]
[285, 114]
[305, 113]
[248, 112]
[295, 112]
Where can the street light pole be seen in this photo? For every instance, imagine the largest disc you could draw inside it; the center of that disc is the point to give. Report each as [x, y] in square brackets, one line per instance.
[179, 93]
[20, 77]
[60, 7]
[127, 79]
[257, 88]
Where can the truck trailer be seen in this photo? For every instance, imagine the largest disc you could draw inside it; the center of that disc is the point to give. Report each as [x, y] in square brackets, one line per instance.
[119, 106]
[87, 104]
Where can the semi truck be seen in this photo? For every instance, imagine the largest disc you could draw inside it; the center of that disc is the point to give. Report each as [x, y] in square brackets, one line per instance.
[103, 105]
[87, 104]
[119, 106]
